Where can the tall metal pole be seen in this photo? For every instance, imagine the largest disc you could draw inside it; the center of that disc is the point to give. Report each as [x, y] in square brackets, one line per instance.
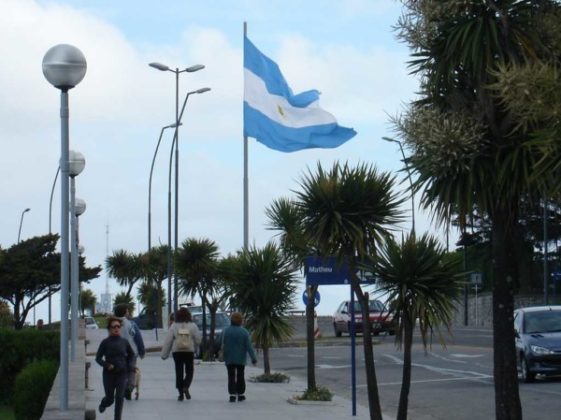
[545, 256]
[73, 272]
[175, 294]
[150, 186]
[21, 222]
[169, 228]
[50, 231]
[64, 277]
[245, 179]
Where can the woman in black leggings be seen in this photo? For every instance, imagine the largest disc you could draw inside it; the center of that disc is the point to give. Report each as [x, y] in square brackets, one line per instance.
[116, 357]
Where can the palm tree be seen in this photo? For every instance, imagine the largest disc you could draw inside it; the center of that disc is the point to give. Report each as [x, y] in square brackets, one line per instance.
[125, 268]
[468, 148]
[87, 301]
[154, 269]
[284, 216]
[347, 212]
[196, 263]
[263, 285]
[422, 284]
[125, 298]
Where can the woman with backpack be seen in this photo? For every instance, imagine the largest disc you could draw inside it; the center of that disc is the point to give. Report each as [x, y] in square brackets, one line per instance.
[182, 339]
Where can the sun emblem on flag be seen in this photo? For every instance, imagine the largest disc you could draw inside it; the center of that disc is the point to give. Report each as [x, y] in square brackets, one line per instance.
[281, 111]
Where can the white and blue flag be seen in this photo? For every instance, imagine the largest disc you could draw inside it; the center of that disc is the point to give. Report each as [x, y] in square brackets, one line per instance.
[276, 117]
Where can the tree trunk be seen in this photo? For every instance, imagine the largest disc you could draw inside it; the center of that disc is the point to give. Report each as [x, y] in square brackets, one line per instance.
[266, 361]
[406, 376]
[507, 398]
[370, 369]
[310, 337]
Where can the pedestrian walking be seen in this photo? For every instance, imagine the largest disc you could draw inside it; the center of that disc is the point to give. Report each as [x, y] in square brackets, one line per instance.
[182, 339]
[131, 332]
[116, 356]
[236, 346]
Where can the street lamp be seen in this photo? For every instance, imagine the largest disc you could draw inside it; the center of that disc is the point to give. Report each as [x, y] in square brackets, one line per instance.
[64, 66]
[76, 164]
[150, 186]
[410, 181]
[21, 221]
[163, 67]
[174, 145]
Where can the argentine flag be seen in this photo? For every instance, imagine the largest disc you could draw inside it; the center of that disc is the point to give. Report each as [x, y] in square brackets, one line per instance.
[276, 117]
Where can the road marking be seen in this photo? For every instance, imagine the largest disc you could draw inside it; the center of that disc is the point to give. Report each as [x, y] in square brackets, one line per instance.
[465, 356]
[444, 371]
[333, 366]
[428, 380]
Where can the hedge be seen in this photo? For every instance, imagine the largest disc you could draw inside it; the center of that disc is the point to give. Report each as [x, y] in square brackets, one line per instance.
[33, 385]
[20, 348]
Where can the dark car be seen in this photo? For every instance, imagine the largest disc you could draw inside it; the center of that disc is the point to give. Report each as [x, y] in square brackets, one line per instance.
[222, 321]
[380, 319]
[146, 320]
[538, 341]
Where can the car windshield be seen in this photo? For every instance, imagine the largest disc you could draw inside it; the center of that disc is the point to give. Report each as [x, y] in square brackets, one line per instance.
[90, 321]
[543, 321]
[373, 306]
[222, 320]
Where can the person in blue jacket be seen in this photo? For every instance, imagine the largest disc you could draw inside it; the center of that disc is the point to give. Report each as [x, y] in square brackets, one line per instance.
[116, 356]
[236, 346]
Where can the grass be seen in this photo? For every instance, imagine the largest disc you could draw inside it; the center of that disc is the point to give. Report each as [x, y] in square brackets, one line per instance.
[320, 393]
[272, 378]
[6, 413]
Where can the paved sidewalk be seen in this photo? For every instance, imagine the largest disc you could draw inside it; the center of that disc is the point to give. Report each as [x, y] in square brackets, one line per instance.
[158, 397]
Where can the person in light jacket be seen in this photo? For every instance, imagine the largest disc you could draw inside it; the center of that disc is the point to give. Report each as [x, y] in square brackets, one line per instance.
[116, 357]
[182, 339]
[236, 346]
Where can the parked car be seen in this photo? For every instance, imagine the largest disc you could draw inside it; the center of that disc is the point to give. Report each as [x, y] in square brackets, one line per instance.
[380, 319]
[146, 320]
[538, 341]
[91, 323]
[222, 321]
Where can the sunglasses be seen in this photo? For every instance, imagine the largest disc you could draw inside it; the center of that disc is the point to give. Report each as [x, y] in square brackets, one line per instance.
[115, 326]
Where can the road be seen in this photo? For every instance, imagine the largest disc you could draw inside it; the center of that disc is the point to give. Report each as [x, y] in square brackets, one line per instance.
[455, 382]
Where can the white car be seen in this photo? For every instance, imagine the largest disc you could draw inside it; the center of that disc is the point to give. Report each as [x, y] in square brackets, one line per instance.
[91, 323]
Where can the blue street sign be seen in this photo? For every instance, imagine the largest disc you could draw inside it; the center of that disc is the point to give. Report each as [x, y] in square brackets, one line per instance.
[316, 298]
[556, 275]
[325, 270]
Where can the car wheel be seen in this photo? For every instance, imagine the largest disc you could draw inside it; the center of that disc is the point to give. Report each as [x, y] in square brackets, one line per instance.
[337, 332]
[527, 376]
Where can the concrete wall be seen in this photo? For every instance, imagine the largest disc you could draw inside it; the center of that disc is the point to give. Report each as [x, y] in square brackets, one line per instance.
[480, 310]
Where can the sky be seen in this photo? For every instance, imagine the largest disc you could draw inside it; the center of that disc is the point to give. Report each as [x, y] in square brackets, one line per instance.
[346, 49]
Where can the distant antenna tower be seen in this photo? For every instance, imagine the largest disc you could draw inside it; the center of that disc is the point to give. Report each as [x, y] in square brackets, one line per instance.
[106, 255]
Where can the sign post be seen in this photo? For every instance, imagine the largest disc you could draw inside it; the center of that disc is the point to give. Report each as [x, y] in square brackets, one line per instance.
[327, 270]
[476, 279]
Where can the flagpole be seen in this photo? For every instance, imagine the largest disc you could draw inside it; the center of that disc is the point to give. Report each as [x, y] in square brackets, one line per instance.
[245, 177]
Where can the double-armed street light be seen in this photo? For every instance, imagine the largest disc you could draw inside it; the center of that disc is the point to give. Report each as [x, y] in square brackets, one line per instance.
[76, 164]
[177, 71]
[150, 185]
[21, 222]
[64, 66]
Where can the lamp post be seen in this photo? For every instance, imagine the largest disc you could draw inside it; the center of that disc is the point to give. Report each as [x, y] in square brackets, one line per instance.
[410, 181]
[21, 222]
[50, 231]
[150, 185]
[174, 146]
[64, 66]
[177, 71]
[76, 164]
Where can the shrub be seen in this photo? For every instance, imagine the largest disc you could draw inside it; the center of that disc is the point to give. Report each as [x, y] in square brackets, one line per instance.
[272, 378]
[320, 393]
[19, 349]
[33, 385]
